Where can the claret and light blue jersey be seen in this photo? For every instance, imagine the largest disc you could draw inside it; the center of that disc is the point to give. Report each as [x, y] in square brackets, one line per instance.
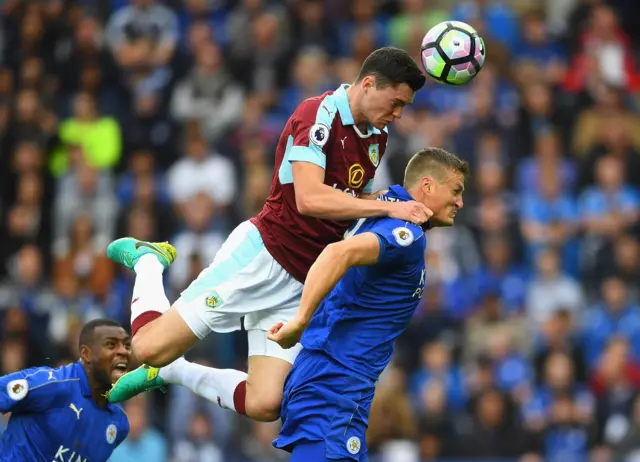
[322, 132]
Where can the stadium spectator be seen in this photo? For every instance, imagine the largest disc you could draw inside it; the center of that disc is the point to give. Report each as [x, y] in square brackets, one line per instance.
[607, 210]
[437, 367]
[98, 137]
[558, 379]
[552, 290]
[495, 432]
[613, 316]
[208, 89]
[198, 447]
[84, 190]
[143, 35]
[604, 55]
[550, 218]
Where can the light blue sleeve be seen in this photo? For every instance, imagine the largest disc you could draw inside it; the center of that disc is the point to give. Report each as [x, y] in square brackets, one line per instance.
[311, 154]
[368, 188]
[310, 133]
[313, 131]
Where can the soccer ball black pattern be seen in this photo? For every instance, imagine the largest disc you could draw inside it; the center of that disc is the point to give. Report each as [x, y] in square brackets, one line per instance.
[452, 52]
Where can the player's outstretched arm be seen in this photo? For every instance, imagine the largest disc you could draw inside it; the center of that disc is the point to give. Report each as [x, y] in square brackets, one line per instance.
[30, 390]
[328, 269]
[316, 199]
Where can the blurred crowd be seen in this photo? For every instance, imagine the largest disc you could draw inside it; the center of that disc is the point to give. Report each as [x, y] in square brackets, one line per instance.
[158, 119]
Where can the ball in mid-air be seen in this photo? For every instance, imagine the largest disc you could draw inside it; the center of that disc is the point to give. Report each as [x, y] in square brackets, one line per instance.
[452, 52]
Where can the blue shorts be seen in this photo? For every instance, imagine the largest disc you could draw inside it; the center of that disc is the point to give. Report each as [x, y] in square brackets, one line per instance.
[325, 402]
[316, 452]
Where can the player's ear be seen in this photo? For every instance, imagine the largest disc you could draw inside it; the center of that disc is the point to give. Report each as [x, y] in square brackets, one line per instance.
[369, 82]
[85, 354]
[427, 184]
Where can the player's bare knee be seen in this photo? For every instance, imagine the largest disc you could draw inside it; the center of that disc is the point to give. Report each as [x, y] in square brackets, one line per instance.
[263, 408]
[146, 351]
[263, 414]
[140, 348]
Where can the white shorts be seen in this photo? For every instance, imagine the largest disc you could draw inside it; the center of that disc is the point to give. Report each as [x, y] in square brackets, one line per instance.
[243, 280]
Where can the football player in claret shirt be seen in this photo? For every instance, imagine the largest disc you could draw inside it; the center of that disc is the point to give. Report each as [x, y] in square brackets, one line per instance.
[365, 290]
[62, 415]
[325, 163]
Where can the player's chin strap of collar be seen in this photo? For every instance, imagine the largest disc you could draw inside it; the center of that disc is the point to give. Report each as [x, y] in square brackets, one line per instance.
[427, 226]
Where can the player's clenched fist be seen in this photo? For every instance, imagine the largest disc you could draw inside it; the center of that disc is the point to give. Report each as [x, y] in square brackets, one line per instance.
[412, 211]
[287, 335]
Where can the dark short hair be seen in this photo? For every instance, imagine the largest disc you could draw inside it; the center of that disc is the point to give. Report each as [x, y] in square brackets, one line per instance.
[433, 161]
[392, 66]
[86, 334]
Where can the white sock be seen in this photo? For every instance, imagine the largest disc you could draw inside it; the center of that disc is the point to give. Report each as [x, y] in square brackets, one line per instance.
[148, 290]
[215, 385]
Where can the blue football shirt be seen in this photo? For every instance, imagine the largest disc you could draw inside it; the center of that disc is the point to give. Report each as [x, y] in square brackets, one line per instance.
[357, 323]
[54, 418]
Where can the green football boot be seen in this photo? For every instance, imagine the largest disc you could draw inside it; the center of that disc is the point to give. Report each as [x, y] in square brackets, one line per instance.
[144, 378]
[127, 251]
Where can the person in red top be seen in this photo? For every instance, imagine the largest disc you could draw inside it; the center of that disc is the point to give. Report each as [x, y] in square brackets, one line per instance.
[605, 56]
[326, 160]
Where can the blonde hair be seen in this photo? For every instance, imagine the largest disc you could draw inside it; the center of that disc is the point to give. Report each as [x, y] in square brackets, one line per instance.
[435, 162]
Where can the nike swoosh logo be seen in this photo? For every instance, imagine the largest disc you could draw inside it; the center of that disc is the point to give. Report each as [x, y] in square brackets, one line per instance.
[144, 244]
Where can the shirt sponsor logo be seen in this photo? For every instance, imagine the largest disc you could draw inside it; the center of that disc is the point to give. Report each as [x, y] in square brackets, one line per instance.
[420, 289]
[66, 455]
[349, 191]
[356, 176]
